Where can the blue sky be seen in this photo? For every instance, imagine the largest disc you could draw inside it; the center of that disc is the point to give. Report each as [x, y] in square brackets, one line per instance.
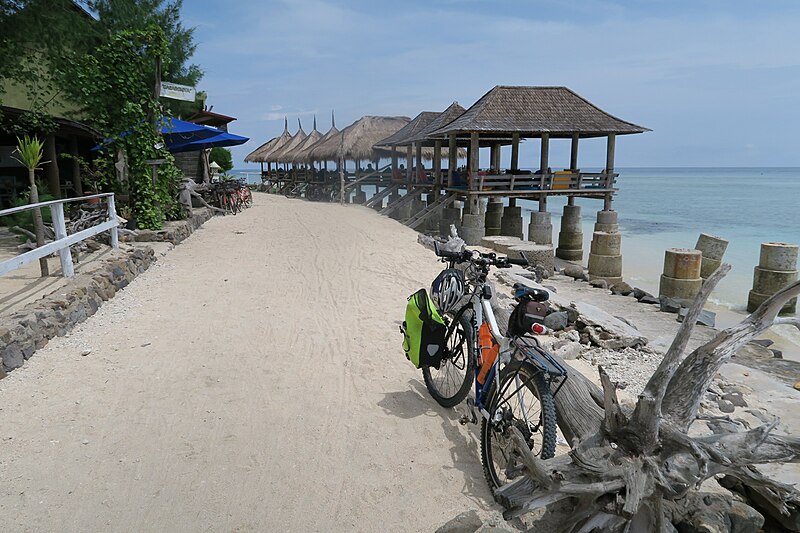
[718, 82]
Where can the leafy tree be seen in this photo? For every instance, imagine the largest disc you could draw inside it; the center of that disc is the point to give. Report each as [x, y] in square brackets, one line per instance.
[125, 15]
[222, 157]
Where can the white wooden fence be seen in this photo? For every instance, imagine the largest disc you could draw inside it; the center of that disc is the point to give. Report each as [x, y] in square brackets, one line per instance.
[62, 241]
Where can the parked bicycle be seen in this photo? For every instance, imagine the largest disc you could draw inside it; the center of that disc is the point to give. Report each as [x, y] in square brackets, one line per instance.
[514, 379]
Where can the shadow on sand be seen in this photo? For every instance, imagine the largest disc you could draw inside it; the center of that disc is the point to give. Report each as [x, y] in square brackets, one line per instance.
[415, 401]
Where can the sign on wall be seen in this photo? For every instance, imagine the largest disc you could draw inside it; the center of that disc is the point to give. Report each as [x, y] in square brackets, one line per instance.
[177, 92]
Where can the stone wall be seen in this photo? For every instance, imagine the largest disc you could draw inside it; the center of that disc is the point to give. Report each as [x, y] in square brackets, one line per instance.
[173, 232]
[29, 329]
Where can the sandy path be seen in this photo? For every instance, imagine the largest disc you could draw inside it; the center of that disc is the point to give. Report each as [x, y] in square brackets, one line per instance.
[251, 380]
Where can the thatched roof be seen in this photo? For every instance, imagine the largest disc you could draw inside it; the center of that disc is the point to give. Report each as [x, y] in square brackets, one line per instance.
[357, 140]
[416, 125]
[298, 154]
[444, 118]
[306, 156]
[250, 158]
[260, 154]
[531, 111]
[279, 155]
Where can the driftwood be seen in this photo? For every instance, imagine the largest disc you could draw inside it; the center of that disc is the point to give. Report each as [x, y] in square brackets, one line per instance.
[639, 470]
[188, 191]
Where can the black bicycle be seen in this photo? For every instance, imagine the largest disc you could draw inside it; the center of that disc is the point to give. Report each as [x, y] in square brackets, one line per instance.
[514, 379]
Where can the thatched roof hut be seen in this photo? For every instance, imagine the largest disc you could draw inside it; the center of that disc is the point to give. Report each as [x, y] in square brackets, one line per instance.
[279, 155]
[413, 130]
[533, 111]
[297, 155]
[263, 152]
[417, 124]
[442, 119]
[305, 154]
[250, 158]
[357, 141]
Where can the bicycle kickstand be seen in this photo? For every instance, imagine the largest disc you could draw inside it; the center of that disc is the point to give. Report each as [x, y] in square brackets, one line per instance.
[472, 416]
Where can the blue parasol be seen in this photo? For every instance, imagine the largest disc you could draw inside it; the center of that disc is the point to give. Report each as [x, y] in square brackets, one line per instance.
[220, 140]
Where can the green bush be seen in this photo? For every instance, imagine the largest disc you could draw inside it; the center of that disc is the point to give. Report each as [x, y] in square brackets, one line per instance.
[222, 157]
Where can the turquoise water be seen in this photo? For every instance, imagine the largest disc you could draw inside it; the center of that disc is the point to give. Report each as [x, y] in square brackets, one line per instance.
[662, 208]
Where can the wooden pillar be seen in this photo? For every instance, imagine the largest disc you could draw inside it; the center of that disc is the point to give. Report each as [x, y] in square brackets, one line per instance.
[474, 166]
[573, 156]
[453, 162]
[77, 182]
[409, 164]
[514, 153]
[418, 157]
[394, 160]
[610, 148]
[51, 167]
[544, 160]
[437, 166]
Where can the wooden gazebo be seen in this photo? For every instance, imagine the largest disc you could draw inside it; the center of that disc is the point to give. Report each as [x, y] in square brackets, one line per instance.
[540, 113]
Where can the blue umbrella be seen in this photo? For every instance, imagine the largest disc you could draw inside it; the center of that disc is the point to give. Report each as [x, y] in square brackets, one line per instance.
[175, 132]
[222, 139]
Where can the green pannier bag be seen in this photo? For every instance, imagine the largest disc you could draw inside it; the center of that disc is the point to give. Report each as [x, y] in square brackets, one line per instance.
[424, 331]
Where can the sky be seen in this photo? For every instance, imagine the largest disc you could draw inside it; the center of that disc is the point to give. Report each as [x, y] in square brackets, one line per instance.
[718, 81]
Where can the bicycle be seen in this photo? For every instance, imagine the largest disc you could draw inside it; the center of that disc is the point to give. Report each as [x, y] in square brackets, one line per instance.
[520, 367]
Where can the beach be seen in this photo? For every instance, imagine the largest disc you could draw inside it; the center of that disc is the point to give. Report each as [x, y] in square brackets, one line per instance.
[253, 379]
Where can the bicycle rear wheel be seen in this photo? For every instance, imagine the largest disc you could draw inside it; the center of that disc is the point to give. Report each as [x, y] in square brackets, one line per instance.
[450, 383]
[525, 403]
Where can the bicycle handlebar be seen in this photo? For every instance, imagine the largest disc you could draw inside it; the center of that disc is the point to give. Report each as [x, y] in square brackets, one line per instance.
[479, 259]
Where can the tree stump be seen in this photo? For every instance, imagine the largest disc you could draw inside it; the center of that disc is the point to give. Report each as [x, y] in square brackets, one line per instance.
[639, 470]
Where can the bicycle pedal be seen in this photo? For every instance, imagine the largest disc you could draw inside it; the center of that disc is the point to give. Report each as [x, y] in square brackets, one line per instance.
[464, 420]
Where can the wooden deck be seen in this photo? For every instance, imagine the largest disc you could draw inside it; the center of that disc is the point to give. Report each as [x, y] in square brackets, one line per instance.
[518, 185]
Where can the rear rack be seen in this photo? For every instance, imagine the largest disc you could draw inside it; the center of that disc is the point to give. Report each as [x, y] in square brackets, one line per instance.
[555, 373]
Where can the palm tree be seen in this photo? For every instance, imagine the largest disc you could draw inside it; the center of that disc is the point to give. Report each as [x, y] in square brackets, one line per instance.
[30, 155]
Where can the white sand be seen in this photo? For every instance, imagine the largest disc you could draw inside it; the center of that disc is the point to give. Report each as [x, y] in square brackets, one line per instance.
[248, 381]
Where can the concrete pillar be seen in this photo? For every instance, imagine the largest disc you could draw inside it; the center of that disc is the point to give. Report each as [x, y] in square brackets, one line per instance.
[494, 214]
[538, 255]
[472, 228]
[570, 238]
[712, 248]
[450, 215]
[540, 230]
[511, 223]
[777, 267]
[605, 257]
[607, 222]
[418, 205]
[681, 278]
[360, 196]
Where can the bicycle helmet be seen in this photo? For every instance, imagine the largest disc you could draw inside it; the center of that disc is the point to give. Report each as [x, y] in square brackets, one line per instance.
[447, 289]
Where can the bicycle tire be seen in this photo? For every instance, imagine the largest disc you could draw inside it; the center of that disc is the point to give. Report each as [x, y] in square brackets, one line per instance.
[449, 365]
[533, 380]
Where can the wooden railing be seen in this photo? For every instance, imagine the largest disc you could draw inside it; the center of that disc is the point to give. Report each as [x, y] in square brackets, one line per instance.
[549, 181]
[62, 241]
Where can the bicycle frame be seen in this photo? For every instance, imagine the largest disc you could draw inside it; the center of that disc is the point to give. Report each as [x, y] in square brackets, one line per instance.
[482, 312]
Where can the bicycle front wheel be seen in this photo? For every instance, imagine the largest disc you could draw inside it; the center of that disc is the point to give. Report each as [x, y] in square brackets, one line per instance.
[450, 383]
[526, 403]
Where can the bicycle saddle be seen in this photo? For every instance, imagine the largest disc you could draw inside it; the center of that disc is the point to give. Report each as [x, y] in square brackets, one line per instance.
[523, 291]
